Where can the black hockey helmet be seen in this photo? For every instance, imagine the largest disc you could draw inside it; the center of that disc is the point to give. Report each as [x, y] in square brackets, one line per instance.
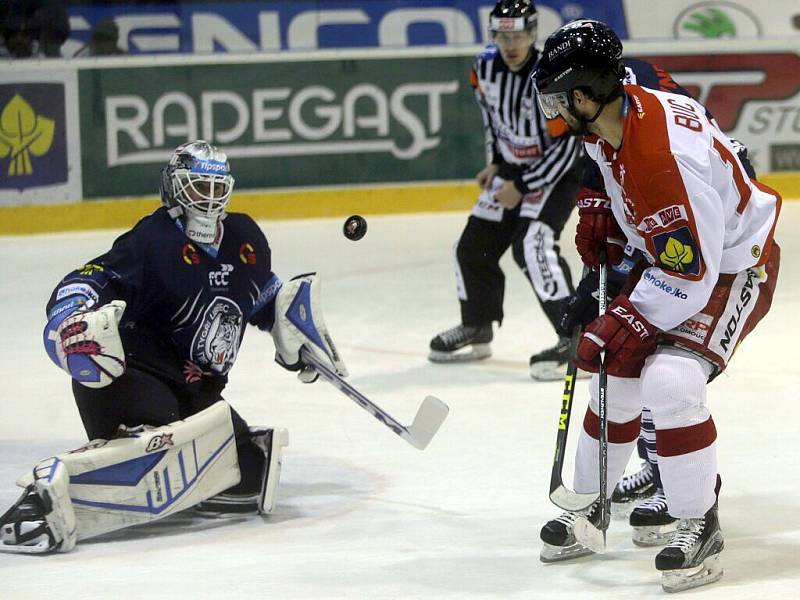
[513, 15]
[582, 54]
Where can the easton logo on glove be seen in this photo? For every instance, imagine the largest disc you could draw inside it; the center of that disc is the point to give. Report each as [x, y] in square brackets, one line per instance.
[625, 335]
[588, 202]
[636, 325]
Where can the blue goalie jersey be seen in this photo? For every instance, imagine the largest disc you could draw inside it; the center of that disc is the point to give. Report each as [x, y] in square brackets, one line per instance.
[187, 303]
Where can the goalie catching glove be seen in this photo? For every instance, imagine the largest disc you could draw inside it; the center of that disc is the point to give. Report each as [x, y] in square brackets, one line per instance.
[299, 324]
[86, 344]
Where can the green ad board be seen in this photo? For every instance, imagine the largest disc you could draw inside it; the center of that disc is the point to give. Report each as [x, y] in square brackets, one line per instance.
[283, 124]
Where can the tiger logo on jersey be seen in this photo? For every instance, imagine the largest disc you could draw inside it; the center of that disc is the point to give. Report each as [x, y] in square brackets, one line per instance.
[677, 251]
[216, 341]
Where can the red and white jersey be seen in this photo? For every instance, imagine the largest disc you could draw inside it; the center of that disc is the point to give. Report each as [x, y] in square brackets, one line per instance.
[681, 196]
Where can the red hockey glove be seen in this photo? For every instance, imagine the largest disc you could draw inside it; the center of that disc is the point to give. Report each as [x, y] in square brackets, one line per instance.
[597, 228]
[626, 335]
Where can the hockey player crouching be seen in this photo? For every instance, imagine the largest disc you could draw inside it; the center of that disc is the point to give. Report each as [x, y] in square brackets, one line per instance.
[148, 332]
[679, 195]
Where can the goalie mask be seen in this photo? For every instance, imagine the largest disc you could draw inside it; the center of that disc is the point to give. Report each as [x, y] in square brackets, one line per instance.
[197, 184]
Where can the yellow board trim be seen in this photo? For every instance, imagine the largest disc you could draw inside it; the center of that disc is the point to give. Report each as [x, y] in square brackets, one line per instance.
[786, 183]
[283, 204]
[275, 205]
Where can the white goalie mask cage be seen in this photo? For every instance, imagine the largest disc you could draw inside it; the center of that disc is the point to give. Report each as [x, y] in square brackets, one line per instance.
[197, 183]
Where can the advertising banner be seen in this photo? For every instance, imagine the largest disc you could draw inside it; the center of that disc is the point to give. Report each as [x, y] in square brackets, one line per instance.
[97, 129]
[711, 19]
[39, 145]
[755, 98]
[285, 124]
[209, 27]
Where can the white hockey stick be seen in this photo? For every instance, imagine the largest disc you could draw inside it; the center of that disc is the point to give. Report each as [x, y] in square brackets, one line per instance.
[429, 417]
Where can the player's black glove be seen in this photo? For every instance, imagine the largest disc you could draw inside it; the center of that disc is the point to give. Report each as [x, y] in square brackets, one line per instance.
[582, 307]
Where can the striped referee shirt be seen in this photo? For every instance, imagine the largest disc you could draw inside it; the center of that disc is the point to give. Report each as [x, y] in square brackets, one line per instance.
[532, 151]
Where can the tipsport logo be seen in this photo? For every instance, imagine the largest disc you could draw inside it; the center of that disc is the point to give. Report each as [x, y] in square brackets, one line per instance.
[32, 135]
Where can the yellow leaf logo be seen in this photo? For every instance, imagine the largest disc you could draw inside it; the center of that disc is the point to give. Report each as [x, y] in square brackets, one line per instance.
[90, 269]
[676, 255]
[22, 133]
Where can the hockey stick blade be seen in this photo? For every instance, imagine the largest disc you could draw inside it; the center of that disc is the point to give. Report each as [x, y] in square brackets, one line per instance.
[429, 418]
[561, 495]
[589, 536]
[565, 498]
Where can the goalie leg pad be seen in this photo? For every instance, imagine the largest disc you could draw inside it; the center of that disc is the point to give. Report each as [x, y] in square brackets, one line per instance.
[261, 500]
[152, 472]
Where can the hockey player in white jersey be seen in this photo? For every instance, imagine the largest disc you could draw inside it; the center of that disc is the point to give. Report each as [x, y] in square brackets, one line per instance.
[679, 194]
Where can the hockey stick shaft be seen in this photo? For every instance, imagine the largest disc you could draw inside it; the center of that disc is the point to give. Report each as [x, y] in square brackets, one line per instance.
[602, 406]
[430, 416]
[585, 532]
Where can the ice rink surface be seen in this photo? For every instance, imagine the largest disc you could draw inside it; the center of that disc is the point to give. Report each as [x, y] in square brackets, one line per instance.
[362, 514]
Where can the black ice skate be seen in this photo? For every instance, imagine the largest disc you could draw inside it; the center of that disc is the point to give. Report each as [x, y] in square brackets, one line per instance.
[559, 537]
[692, 557]
[258, 495]
[652, 524]
[461, 344]
[24, 528]
[42, 520]
[551, 364]
[632, 489]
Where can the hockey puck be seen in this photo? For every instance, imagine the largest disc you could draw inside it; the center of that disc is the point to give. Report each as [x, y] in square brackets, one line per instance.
[355, 228]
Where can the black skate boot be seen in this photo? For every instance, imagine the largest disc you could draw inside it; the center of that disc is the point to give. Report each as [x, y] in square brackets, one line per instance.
[461, 344]
[652, 524]
[692, 557]
[24, 528]
[42, 520]
[257, 491]
[551, 364]
[559, 537]
[632, 489]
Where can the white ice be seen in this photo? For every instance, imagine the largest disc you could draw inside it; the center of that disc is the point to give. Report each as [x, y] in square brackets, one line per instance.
[362, 514]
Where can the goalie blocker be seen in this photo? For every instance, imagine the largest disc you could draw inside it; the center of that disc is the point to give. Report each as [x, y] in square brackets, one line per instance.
[299, 324]
[145, 474]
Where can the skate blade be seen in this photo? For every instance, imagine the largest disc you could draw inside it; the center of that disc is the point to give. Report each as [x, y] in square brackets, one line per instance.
[622, 510]
[466, 354]
[588, 535]
[551, 554]
[42, 546]
[656, 535]
[680, 580]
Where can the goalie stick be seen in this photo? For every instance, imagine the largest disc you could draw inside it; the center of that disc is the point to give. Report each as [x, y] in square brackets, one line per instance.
[430, 416]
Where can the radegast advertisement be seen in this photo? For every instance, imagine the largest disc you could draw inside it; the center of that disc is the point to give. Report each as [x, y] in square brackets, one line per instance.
[208, 27]
[324, 122]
